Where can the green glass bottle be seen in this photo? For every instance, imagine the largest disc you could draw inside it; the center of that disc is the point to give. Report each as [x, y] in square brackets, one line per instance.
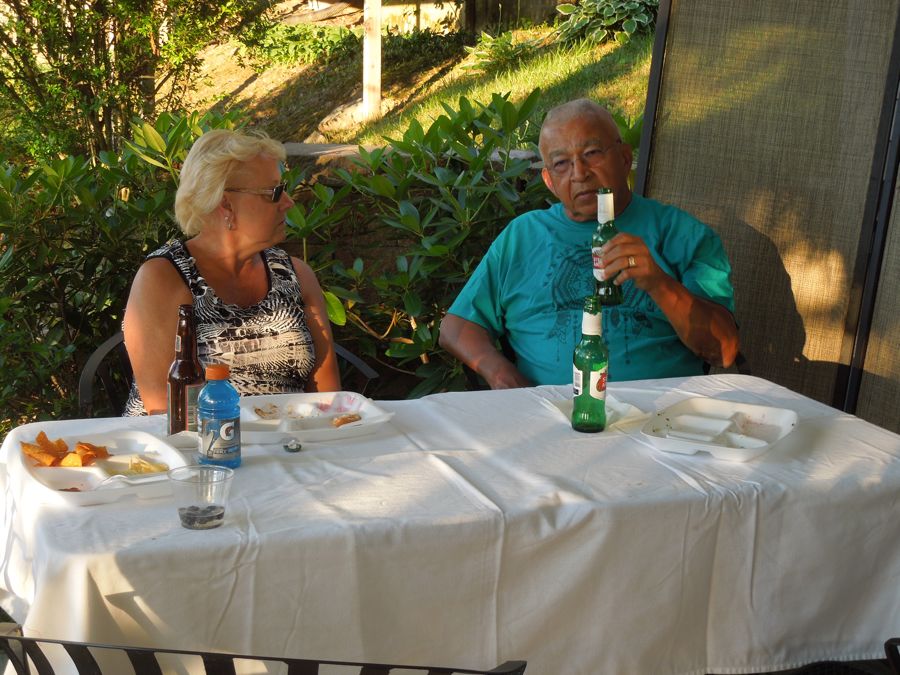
[589, 367]
[609, 293]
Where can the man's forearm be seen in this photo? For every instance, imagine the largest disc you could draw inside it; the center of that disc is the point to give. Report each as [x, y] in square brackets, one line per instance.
[705, 327]
[474, 346]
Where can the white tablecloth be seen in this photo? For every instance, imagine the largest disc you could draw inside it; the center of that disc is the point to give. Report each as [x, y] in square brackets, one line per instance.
[478, 527]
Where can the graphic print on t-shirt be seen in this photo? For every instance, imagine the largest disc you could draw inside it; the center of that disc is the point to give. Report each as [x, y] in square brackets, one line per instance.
[568, 287]
[570, 280]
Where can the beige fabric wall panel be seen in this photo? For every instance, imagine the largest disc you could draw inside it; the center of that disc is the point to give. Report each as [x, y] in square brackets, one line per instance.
[879, 394]
[765, 129]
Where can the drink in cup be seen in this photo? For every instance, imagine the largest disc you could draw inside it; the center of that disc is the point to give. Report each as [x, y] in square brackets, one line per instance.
[201, 493]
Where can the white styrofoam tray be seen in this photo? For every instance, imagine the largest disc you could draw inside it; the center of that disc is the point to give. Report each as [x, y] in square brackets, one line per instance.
[122, 447]
[307, 417]
[736, 432]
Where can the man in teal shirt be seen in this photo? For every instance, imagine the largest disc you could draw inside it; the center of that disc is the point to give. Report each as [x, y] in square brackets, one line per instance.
[530, 285]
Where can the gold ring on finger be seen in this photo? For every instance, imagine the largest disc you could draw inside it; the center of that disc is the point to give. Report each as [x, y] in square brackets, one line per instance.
[631, 262]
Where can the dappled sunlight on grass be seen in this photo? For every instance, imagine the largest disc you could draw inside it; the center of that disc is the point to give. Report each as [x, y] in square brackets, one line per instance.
[616, 75]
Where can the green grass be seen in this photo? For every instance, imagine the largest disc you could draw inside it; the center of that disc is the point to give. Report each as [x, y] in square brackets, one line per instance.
[616, 75]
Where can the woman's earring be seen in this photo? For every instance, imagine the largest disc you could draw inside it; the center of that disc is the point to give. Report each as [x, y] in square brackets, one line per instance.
[229, 224]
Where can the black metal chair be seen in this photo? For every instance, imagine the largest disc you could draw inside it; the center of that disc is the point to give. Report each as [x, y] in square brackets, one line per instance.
[110, 364]
[892, 651]
[28, 655]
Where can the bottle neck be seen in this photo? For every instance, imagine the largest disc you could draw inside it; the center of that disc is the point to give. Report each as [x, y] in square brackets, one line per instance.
[592, 324]
[185, 342]
[606, 209]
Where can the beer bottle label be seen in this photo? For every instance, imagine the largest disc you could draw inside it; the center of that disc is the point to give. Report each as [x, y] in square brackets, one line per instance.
[174, 409]
[576, 380]
[598, 263]
[598, 383]
[177, 343]
[191, 392]
[220, 440]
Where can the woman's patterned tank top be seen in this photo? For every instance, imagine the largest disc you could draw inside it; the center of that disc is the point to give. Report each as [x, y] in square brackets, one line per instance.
[267, 345]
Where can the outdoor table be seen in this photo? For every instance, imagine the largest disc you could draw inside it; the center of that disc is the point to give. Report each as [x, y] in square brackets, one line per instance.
[477, 527]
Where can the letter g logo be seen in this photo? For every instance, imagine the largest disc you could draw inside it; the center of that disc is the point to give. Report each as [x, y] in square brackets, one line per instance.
[226, 431]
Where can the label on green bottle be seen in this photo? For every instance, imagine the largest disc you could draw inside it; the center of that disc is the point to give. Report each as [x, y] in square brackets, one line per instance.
[598, 384]
[597, 259]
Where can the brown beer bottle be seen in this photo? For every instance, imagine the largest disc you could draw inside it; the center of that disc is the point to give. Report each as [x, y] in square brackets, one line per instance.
[185, 375]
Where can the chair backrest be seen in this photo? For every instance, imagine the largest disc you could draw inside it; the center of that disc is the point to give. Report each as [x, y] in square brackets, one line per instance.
[364, 369]
[771, 121]
[29, 655]
[892, 651]
[111, 366]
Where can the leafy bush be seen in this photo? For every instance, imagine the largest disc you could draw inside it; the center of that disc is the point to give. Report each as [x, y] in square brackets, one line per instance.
[493, 54]
[72, 235]
[409, 47]
[74, 74]
[266, 42]
[425, 209]
[602, 20]
[269, 42]
[392, 244]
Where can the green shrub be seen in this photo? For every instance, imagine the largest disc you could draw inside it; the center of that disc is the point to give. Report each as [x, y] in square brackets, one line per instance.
[72, 235]
[424, 211]
[269, 42]
[602, 20]
[73, 74]
[411, 47]
[493, 54]
[392, 244]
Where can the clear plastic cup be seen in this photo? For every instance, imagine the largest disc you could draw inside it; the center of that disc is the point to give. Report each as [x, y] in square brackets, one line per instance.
[201, 493]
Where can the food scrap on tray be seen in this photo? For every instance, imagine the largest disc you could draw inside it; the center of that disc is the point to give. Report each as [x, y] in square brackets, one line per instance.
[269, 411]
[45, 452]
[341, 420]
[141, 465]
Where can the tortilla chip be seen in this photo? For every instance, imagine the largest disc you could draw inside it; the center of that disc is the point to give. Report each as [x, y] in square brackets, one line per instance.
[83, 448]
[71, 459]
[57, 447]
[38, 455]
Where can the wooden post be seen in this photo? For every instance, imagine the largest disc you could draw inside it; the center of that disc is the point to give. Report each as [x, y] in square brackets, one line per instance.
[372, 59]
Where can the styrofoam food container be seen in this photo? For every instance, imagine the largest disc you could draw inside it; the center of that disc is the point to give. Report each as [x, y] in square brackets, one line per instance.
[727, 430]
[122, 446]
[307, 417]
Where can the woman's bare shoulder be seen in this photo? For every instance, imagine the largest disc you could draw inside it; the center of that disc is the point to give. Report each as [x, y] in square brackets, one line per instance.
[159, 278]
[305, 273]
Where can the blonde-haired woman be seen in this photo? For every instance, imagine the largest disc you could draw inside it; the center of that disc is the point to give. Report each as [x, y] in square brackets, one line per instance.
[256, 308]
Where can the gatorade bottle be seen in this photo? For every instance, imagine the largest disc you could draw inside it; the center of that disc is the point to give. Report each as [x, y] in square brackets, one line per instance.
[219, 416]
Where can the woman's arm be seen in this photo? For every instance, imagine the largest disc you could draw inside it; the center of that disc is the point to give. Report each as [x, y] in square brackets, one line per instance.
[325, 375]
[151, 320]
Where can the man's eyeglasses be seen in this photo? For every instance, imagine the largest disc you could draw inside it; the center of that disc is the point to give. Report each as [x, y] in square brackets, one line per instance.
[273, 193]
[592, 157]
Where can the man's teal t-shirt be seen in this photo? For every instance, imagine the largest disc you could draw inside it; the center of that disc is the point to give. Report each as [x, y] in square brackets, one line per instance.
[530, 286]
